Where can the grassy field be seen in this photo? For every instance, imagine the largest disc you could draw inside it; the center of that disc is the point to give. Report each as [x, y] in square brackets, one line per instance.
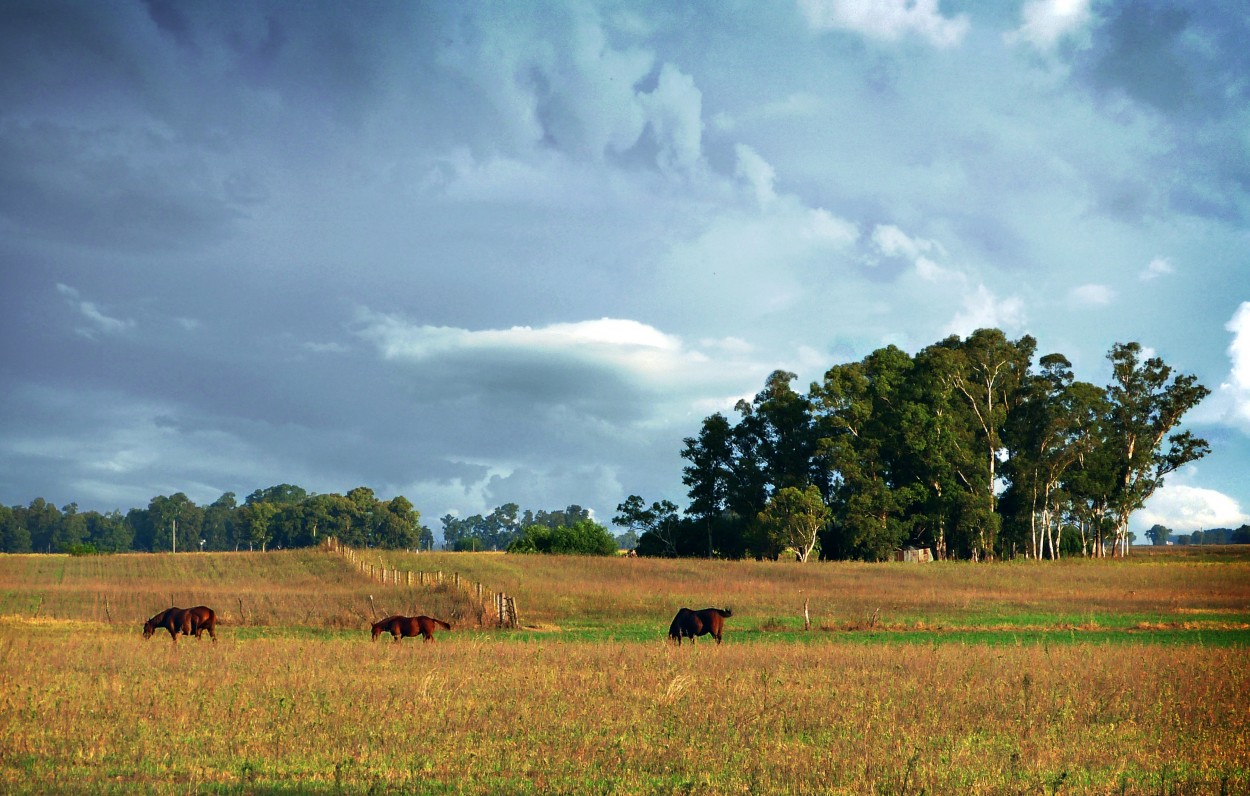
[293, 590]
[1184, 592]
[1077, 677]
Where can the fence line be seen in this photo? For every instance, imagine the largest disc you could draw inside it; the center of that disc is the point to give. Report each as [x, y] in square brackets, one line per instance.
[502, 607]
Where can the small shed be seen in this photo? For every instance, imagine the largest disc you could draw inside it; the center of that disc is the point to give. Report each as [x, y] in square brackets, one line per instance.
[919, 555]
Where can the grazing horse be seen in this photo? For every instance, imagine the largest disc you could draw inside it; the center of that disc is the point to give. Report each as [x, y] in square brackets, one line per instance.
[403, 626]
[187, 621]
[689, 624]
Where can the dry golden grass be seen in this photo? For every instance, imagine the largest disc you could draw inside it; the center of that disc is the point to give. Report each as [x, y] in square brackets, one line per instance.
[87, 705]
[563, 590]
[292, 589]
[85, 709]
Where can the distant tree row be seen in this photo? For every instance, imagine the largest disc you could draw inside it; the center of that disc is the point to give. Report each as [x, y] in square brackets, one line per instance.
[287, 516]
[1162, 535]
[570, 531]
[968, 448]
[282, 516]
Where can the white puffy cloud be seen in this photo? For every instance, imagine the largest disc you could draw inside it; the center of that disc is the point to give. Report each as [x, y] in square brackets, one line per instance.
[1235, 392]
[983, 310]
[893, 242]
[1092, 295]
[1188, 508]
[930, 271]
[569, 354]
[1046, 22]
[757, 173]
[674, 113]
[1159, 266]
[888, 20]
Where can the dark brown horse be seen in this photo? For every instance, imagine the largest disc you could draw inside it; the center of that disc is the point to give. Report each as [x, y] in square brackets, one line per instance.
[688, 624]
[187, 621]
[403, 626]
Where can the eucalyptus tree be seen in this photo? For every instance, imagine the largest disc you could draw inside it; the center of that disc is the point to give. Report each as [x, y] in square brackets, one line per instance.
[219, 528]
[332, 515]
[1055, 426]
[40, 518]
[858, 411]
[1088, 487]
[256, 522]
[71, 530]
[397, 524]
[985, 371]
[109, 533]
[708, 477]
[793, 520]
[657, 524]
[1146, 404]
[774, 446]
[363, 504]
[14, 535]
[943, 456]
[780, 421]
[175, 523]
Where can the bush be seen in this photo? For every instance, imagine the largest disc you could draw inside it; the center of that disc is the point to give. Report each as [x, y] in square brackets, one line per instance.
[584, 537]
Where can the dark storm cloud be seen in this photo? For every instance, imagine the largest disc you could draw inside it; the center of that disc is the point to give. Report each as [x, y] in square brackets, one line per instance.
[1189, 63]
[1180, 58]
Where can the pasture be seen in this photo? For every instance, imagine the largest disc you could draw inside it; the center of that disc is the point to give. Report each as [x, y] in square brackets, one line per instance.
[1076, 677]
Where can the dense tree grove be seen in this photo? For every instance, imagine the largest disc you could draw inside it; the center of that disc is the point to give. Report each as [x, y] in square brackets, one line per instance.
[286, 516]
[968, 448]
[281, 516]
[503, 526]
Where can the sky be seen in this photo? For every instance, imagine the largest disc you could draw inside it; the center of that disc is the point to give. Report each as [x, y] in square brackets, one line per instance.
[482, 253]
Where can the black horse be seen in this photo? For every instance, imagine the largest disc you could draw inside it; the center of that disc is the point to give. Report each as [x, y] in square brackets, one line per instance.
[187, 621]
[688, 624]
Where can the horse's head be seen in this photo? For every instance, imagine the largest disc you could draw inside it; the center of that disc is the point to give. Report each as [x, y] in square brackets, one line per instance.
[148, 628]
[377, 631]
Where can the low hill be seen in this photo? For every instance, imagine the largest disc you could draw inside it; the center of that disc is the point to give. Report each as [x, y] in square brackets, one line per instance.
[576, 592]
[318, 589]
[291, 588]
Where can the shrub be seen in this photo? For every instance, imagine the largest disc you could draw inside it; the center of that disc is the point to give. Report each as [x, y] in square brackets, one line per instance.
[584, 537]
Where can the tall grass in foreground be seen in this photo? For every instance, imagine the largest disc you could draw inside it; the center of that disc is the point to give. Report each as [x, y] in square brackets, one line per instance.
[94, 711]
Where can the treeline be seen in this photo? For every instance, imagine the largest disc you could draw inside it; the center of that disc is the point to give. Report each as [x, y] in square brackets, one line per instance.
[503, 526]
[969, 448]
[1162, 535]
[570, 530]
[287, 516]
[282, 516]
